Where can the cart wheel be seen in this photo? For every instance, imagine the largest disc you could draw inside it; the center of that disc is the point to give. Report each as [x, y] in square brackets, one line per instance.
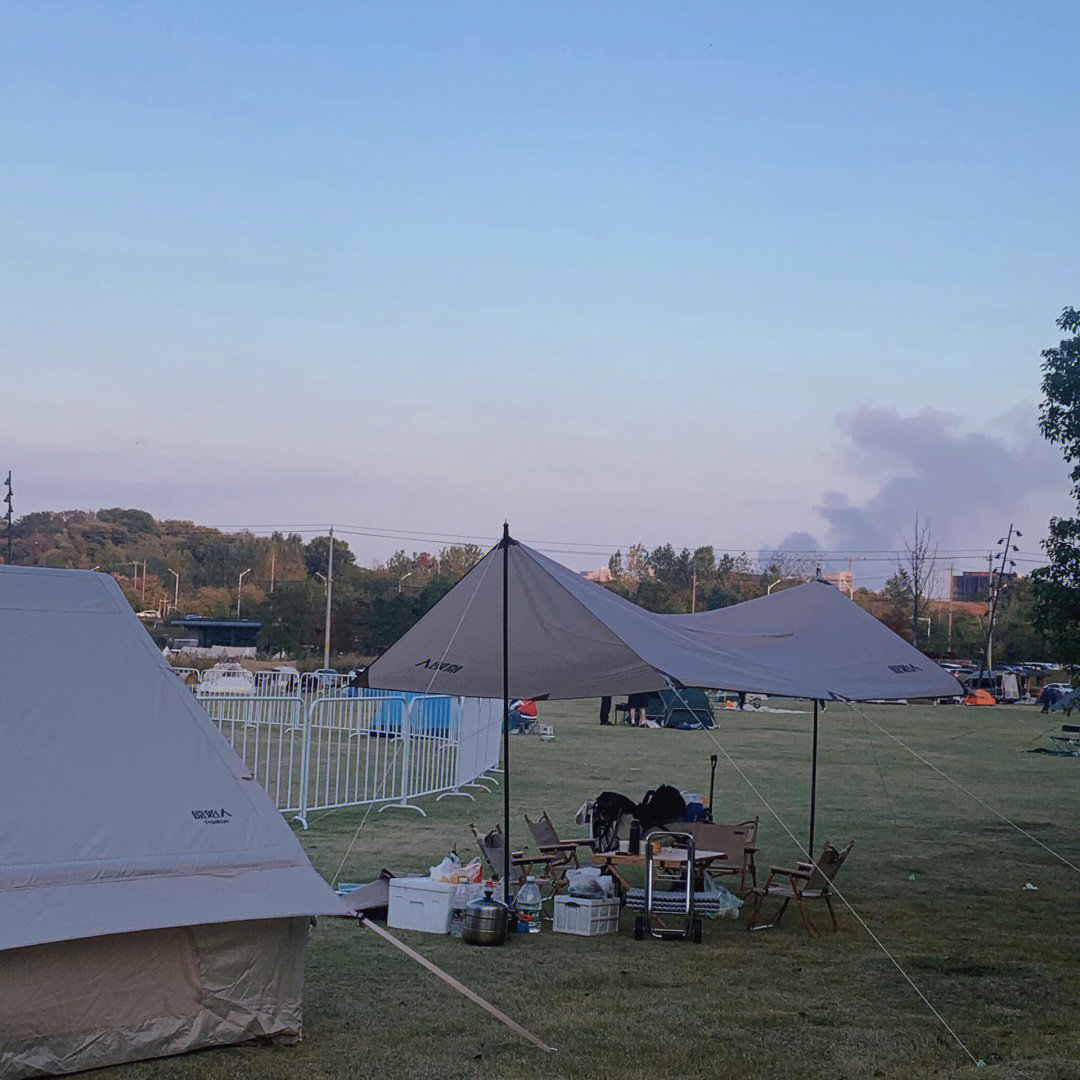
[639, 927]
[697, 931]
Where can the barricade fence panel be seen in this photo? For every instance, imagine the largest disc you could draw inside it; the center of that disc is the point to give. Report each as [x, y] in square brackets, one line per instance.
[268, 734]
[277, 682]
[354, 749]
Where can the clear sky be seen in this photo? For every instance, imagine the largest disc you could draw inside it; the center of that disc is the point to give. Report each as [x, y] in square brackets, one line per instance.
[706, 273]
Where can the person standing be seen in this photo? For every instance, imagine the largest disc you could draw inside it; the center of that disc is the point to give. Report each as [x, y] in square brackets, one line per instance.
[605, 711]
[636, 704]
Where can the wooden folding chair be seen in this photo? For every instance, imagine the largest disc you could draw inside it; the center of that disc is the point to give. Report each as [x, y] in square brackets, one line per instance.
[738, 842]
[545, 870]
[811, 881]
[548, 843]
[730, 839]
[751, 827]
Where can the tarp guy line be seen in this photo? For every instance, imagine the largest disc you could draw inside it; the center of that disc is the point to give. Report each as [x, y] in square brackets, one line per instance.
[844, 900]
[435, 671]
[967, 791]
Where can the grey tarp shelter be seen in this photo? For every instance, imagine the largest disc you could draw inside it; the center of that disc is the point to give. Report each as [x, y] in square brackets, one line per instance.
[152, 899]
[520, 625]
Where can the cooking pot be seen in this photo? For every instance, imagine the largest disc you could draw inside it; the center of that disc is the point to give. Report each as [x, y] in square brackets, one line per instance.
[485, 921]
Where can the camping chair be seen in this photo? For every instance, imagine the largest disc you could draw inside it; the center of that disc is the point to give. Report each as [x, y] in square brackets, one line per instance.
[811, 881]
[544, 869]
[736, 844]
[751, 827]
[548, 842]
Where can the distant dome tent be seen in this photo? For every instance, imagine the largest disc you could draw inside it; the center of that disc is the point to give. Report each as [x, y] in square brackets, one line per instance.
[152, 900]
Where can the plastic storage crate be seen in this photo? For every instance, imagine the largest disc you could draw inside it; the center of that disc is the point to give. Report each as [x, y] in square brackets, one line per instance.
[585, 916]
[420, 904]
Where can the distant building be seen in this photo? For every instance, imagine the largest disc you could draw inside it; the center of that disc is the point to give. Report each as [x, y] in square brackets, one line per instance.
[973, 586]
[844, 580]
[221, 637]
[602, 575]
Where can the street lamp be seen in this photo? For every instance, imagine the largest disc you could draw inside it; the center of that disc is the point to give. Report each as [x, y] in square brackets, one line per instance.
[768, 591]
[239, 587]
[402, 579]
[176, 591]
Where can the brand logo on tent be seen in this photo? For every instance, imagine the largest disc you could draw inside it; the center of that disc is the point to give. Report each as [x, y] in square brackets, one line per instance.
[212, 817]
[904, 669]
[439, 665]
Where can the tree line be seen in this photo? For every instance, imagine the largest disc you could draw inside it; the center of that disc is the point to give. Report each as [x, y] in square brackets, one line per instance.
[179, 567]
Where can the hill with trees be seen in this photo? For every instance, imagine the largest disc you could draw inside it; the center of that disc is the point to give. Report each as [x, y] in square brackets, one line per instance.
[179, 567]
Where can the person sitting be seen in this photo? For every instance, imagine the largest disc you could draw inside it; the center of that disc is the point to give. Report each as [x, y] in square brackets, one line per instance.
[522, 715]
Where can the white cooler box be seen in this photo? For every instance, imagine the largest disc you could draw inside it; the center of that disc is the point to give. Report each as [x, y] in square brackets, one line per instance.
[420, 904]
[585, 916]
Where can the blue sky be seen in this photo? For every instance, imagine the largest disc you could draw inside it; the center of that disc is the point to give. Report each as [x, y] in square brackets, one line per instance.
[617, 272]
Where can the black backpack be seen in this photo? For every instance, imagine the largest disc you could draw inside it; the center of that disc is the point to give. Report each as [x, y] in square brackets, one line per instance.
[608, 807]
[660, 806]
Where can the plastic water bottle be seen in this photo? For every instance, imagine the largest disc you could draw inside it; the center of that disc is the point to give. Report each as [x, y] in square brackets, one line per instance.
[529, 903]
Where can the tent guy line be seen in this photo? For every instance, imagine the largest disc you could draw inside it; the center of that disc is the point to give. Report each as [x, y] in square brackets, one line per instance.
[434, 671]
[967, 791]
[843, 899]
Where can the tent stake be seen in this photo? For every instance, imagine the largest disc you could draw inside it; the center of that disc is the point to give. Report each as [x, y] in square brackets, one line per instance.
[813, 785]
[506, 710]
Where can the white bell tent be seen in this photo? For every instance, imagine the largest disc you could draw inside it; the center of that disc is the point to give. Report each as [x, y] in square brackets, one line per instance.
[152, 900]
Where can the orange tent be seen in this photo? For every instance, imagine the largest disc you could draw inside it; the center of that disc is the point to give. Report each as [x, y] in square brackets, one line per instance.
[980, 697]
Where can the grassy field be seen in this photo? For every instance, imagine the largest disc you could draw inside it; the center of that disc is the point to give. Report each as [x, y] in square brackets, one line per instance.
[937, 876]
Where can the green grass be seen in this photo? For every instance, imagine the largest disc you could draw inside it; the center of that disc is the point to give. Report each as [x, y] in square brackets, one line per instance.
[999, 962]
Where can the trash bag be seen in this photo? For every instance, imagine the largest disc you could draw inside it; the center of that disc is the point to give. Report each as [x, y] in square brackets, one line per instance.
[447, 870]
[729, 903]
[588, 882]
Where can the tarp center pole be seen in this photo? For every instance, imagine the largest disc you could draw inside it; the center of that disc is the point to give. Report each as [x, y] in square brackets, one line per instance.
[506, 710]
[813, 784]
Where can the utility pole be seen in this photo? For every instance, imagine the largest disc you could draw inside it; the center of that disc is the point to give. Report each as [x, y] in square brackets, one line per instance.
[8, 499]
[851, 578]
[176, 593]
[273, 559]
[948, 646]
[329, 593]
[142, 601]
[693, 593]
[1006, 545]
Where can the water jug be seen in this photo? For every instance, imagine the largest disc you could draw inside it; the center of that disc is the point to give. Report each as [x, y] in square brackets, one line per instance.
[528, 906]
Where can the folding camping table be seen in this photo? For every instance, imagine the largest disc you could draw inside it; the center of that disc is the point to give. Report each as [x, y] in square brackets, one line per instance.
[612, 862]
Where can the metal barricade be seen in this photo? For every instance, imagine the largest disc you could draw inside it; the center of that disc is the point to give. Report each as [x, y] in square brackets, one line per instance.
[268, 734]
[375, 747]
[356, 748]
[277, 682]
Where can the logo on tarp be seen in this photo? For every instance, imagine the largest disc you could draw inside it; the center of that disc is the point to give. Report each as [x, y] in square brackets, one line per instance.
[212, 817]
[439, 665]
[904, 669]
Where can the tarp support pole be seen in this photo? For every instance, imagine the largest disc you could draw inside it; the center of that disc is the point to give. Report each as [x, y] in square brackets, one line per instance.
[813, 784]
[506, 710]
